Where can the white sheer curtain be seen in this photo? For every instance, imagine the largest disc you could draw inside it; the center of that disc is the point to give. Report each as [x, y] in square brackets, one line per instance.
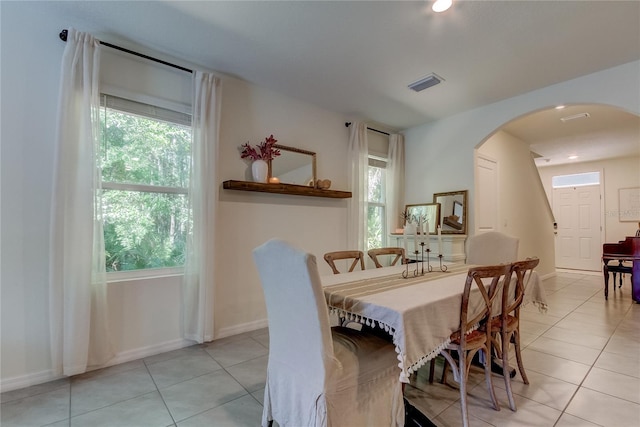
[78, 291]
[198, 285]
[358, 178]
[395, 182]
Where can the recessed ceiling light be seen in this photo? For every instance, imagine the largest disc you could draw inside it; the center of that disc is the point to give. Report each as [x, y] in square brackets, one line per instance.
[441, 5]
[575, 116]
[572, 157]
[560, 107]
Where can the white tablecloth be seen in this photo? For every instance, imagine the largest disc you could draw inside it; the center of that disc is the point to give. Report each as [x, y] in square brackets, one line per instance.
[420, 312]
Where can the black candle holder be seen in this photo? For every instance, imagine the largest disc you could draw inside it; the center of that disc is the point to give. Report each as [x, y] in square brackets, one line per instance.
[405, 273]
[443, 267]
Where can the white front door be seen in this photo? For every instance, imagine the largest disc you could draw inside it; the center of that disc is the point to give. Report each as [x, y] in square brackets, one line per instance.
[578, 242]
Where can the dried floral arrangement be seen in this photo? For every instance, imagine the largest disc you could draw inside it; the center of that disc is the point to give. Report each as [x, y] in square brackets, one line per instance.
[263, 151]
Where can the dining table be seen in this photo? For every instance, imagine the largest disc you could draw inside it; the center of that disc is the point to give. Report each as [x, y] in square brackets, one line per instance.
[419, 312]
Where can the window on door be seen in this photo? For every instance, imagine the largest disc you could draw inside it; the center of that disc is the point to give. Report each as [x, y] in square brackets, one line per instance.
[576, 180]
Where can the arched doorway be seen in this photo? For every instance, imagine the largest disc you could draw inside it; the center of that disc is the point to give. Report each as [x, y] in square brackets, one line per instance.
[604, 138]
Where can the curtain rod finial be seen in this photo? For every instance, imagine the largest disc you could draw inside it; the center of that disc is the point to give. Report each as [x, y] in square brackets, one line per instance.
[347, 124]
[63, 35]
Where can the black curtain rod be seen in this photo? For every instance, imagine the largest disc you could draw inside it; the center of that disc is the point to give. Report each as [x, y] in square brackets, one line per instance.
[65, 33]
[347, 124]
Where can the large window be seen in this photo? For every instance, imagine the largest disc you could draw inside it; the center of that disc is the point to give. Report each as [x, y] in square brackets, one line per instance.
[145, 163]
[376, 210]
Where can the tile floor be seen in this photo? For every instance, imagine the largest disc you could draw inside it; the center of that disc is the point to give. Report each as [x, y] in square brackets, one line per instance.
[582, 359]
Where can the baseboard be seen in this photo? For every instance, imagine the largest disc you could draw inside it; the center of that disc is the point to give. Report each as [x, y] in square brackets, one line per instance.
[22, 381]
[151, 350]
[28, 380]
[548, 275]
[242, 328]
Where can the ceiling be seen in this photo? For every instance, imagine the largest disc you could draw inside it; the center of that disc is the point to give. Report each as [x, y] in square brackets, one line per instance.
[357, 57]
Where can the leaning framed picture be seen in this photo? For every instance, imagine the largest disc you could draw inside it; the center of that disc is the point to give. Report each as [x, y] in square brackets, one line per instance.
[629, 204]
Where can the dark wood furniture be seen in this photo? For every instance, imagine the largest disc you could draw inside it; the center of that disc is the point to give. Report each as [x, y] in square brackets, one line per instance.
[356, 256]
[297, 190]
[507, 323]
[625, 250]
[462, 346]
[397, 252]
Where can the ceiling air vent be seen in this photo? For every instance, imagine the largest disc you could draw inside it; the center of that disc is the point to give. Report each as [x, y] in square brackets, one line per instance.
[424, 83]
[575, 116]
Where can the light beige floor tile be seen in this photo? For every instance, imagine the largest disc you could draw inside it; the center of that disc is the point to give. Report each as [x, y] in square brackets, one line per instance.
[626, 364]
[594, 329]
[533, 328]
[262, 339]
[182, 368]
[529, 413]
[63, 423]
[432, 399]
[628, 330]
[242, 412]
[565, 350]
[89, 392]
[526, 339]
[553, 366]
[452, 417]
[144, 411]
[542, 389]
[567, 420]
[251, 374]
[576, 337]
[613, 306]
[200, 394]
[602, 409]
[40, 409]
[542, 318]
[590, 319]
[173, 354]
[622, 346]
[259, 395]
[613, 383]
[231, 353]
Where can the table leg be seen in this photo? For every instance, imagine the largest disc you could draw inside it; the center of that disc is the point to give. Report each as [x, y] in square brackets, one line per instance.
[606, 280]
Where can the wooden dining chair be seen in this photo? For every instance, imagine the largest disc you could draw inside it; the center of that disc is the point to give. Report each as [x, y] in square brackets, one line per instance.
[507, 323]
[356, 256]
[380, 252]
[475, 309]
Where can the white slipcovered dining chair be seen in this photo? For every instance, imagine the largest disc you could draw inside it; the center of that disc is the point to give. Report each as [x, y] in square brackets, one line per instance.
[492, 248]
[318, 375]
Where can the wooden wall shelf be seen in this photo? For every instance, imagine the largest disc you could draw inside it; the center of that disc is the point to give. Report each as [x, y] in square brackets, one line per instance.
[297, 190]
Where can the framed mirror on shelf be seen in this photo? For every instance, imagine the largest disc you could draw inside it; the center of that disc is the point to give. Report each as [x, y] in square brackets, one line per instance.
[428, 211]
[294, 166]
[453, 207]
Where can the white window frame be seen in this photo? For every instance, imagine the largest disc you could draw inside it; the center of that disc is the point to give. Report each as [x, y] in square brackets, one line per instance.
[179, 117]
[376, 161]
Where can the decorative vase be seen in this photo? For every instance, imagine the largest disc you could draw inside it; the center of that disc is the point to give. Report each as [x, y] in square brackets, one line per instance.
[259, 170]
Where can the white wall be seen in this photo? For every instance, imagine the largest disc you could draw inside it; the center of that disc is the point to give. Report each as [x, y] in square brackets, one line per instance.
[440, 155]
[145, 315]
[616, 173]
[520, 191]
